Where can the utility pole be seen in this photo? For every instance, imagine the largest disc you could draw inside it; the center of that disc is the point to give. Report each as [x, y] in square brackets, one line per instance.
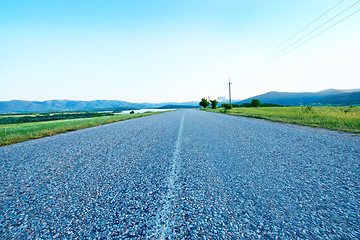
[230, 91]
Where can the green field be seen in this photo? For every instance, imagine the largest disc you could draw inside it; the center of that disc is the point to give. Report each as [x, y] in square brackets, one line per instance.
[335, 118]
[13, 133]
[42, 117]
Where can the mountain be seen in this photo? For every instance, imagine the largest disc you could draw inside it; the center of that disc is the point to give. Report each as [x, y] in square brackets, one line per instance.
[20, 106]
[342, 99]
[174, 106]
[329, 96]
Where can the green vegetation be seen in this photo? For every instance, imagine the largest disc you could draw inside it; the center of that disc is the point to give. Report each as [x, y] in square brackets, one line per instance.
[204, 103]
[334, 118]
[227, 106]
[255, 103]
[213, 103]
[12, 119]
[13, 133]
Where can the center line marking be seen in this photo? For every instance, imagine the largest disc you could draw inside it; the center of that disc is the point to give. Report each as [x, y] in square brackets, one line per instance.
[164, 215]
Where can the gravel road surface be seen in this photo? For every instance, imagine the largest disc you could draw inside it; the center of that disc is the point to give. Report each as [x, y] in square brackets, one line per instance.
[183, 175]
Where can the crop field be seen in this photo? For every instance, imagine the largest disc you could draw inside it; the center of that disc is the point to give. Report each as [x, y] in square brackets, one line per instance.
[18, 132]
[335, 118]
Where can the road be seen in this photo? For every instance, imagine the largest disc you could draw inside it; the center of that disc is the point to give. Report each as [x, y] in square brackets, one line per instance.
[186, 174]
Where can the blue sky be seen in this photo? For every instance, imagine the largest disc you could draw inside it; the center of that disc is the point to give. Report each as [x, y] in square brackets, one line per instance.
[157, 51]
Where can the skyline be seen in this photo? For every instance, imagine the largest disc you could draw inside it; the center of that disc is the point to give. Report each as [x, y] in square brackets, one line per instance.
[142, 51]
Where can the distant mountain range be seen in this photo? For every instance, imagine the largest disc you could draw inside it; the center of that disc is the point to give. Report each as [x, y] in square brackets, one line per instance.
[20, 106]
[326, 97]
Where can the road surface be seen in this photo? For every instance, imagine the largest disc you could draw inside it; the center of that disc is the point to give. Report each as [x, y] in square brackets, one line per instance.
[187, 175]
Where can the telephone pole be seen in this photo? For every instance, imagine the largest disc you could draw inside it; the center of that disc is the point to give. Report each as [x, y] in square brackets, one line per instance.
[229, 91]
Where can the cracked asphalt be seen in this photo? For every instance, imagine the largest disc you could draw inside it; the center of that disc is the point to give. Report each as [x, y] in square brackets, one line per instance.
[186, 174]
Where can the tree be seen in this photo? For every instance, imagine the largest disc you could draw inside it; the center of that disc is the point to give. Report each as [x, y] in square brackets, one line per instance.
[255, 103]
[213, 103]
[204, 103]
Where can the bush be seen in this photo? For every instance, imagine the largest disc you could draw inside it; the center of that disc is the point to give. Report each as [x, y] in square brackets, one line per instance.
[227, 106]
[245, 105]
[270, 105]
[306, 109]
[261, 105]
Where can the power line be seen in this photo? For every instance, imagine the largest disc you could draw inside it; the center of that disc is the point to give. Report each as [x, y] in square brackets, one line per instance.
[315, 29]
[308, 25]
[284, 49]
[320, 32]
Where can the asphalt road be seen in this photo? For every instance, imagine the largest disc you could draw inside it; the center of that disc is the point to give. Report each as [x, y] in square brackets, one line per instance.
[187, 175]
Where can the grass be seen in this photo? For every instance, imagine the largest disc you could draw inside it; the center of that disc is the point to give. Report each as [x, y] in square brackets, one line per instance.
[345, 119]
[13, 133]
[12, 119]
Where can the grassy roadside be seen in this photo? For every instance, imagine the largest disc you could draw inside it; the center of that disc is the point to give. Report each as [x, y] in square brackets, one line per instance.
[345, 119]
[13, 133]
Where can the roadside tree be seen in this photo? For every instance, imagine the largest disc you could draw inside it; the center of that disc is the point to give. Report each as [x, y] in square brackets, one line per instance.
[213, 103]
[204, 103]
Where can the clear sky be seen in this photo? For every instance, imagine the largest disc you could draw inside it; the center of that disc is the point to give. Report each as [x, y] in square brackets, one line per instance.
[173, 50]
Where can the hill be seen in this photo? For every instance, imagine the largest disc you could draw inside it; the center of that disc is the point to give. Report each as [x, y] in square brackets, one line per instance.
[20, 106]
[174, 106]
[326, 97]
[342, 99]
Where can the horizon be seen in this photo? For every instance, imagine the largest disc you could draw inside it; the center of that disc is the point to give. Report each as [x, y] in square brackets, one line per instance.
[169, 102]
[161, 51]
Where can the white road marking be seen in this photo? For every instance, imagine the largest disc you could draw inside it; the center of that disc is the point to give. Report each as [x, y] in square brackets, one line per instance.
[164, 215]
